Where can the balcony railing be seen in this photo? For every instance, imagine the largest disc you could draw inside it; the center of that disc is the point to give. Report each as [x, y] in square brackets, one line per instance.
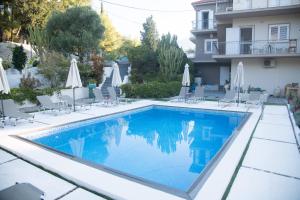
[228, 6]
[262, 47]
[224, 5]
[204, 25]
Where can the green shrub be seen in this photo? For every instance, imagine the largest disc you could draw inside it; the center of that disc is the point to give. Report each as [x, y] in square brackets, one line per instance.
[19, 58]
[153, 89]
[34, 61]
[6, 64]
[29, 82]
[21, 94]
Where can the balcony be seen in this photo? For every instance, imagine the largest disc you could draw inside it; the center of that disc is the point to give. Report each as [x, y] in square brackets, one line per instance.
[204, 26]
[256, 49]
[228, 9]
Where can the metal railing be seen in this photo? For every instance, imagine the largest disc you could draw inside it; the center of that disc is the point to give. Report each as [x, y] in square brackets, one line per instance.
[262, 47]
[200, 25]
[224, 5]
[227, 5]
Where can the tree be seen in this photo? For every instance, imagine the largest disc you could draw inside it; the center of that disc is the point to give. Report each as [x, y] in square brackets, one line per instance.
[144, 63]
[55, 68]
[20, 14]
[171, 58]
[127, 45]
[149, 36]
[40, 42]
[76, 31]
[111, 40]
[98, 66]
[19, 58]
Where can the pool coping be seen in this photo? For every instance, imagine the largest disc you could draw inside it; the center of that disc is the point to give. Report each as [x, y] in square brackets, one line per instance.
[213, 188]
[195, 186]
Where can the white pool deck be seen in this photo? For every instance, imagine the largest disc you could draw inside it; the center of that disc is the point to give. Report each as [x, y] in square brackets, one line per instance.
[270, 169]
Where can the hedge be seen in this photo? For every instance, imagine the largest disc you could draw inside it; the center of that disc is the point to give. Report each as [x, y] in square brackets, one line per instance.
[21, 94]
[153, 89]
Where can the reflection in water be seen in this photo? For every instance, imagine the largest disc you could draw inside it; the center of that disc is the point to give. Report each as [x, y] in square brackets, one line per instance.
[77, 146]
[116, 129]
[206, 132]
[167, 146]
[187, 128]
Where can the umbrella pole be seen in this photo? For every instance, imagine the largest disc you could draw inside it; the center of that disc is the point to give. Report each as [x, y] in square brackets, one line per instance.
[185, 93]
[116, 90]
[3, 116]
[74, 98]
[238, 94]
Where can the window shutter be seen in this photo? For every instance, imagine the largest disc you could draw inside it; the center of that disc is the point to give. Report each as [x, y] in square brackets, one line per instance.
[211, 19]
[283, 32]
[199, 20]
[273, 33]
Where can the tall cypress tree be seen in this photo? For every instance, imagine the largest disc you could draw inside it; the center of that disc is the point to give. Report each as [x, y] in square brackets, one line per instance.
[149, 36]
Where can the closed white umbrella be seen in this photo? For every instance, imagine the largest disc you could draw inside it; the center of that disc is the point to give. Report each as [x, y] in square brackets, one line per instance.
[4, 86]
[116, 78]
[186, 77]
[73, 80]
[239, 78]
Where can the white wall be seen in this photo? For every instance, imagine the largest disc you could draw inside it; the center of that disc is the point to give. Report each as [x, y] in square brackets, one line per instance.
[287, 70]
[254, 4]
[14, 77]
[80, 93]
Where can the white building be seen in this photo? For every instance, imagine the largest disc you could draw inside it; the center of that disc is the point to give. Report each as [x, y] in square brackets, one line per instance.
[263, 34]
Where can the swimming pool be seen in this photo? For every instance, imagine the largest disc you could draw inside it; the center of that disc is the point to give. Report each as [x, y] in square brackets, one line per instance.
[169, 148]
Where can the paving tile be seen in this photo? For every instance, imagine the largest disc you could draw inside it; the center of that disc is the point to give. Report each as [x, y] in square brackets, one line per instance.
[4, 156]
[276, 110]
[276, 119]
[275, 132]
[60, 118]
[278, 157]
[21, 171]
[80, 194]
[252, 184]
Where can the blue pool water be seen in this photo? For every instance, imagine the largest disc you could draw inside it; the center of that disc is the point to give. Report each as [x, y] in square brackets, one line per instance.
[168, 146]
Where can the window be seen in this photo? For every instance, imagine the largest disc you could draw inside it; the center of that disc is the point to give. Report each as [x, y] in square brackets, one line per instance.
[279, 32]
[210, 45]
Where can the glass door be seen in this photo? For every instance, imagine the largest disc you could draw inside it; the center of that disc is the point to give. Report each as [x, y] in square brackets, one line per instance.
[246, 40]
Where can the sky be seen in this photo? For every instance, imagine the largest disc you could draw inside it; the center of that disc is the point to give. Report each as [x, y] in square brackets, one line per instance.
[129, 21]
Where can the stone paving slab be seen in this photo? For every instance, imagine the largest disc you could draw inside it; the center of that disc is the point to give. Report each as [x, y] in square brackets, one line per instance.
[252, 184]
[278, 157]
[275, 132]
[276, 110]
[21, 171]
[4, 156]
[48, 118]
[276, 119]
[81, 194]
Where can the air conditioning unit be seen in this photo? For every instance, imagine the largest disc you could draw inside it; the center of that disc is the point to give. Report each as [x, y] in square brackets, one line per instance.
[269, 63]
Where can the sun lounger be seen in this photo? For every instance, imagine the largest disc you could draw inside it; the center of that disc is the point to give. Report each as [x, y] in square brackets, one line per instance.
[230, 97]
[22, 191]
[113, 98]
[48, 104]
[99, 98]
[254, 98]
[198, 95]
[12, 112]
[80, 103]
[181, 96]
